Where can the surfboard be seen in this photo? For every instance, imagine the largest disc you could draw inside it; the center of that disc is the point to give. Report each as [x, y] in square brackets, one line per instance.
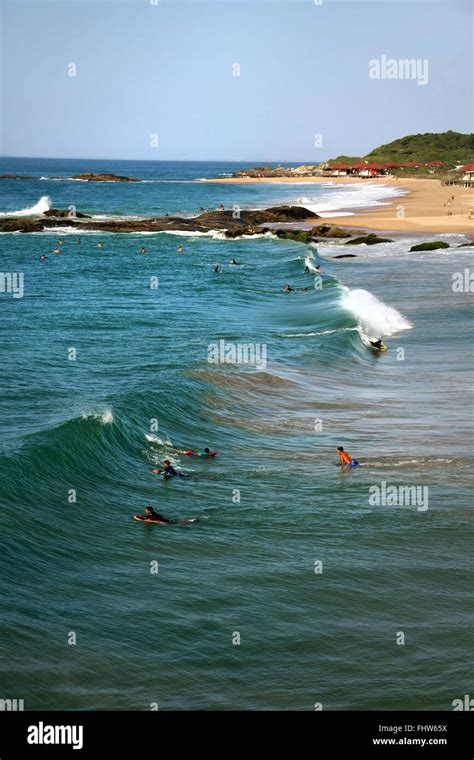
[178, 521]
[147, 520]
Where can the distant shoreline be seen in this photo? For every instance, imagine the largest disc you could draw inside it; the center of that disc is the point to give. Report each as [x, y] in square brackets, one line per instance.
[421, 210]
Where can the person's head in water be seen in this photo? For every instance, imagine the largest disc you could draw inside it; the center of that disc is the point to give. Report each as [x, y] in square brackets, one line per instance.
[207, 451]
[340, 448]
[233, 261]
[149, 510]
[167, 462]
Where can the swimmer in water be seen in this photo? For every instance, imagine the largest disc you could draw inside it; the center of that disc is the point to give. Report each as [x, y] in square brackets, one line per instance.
[180, 249]
[143, 249]
[233, 261]
[43, 257]
[345, 458]
[288, 289]
[150, 514]
[217, 269]
[100, 244]
[57, 250]
[60, 242]
[200, 453]
[78, 241]
[168, 471]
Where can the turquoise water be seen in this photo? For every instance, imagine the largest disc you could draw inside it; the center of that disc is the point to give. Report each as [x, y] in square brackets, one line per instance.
[246, 566]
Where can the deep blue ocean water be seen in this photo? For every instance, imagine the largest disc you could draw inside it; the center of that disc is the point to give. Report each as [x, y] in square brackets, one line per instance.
[274, 503]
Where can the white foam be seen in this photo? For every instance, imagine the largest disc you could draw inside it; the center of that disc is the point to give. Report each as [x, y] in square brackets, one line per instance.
[375, 319]
[315, 334]
[353, 195]
[152, 438]
[44, 204]
[105, 416]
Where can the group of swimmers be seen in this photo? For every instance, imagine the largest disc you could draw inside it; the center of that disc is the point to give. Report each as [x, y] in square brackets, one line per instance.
[233, 262]
[168, 471]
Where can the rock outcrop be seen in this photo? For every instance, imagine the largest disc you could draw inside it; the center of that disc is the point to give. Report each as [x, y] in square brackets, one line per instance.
[90, 177]
[15, 176]
[429, 246]
[371, 239]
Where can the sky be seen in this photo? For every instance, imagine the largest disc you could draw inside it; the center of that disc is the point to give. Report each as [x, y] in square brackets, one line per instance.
[228, 79]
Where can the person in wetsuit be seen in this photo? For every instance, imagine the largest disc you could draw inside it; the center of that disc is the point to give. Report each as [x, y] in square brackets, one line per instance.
[376, 343]
[168, 471]
[152, 515]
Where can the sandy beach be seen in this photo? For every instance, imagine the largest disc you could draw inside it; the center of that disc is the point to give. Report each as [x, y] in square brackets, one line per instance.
[422, 209]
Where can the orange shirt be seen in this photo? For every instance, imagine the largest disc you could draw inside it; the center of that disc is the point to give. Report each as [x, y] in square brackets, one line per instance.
[344, 457]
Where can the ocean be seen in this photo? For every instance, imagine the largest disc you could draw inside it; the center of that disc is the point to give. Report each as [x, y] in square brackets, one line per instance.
[299, 585]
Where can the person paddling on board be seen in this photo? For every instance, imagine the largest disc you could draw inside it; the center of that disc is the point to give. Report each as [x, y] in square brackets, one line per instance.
[168, 471]
[233, 261]
[150, 514]
[345, 458]
[200, 453]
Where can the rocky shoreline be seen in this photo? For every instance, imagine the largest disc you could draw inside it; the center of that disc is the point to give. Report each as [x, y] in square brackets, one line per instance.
[231, 223]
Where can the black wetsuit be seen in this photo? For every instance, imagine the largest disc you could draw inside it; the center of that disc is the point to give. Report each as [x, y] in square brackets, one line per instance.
[155, 516]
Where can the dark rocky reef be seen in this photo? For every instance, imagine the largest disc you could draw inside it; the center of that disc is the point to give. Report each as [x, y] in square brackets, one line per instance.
[429, 246]
[86, 177]
[236, 223]
[15, 176]
[65, 214]
[371, 239]
[91, 177]
[233, 223]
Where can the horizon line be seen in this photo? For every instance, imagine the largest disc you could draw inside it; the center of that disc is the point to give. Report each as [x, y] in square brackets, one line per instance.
[164, 160]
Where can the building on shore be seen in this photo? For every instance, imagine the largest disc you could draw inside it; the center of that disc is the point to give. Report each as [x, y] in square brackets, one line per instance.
[467, 175]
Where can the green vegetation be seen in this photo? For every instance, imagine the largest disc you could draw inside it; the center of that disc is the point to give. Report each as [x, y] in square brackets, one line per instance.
[429, 246]
[453, 148]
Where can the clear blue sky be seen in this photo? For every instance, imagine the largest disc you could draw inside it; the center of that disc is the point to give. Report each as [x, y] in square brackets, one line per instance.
[166, 69]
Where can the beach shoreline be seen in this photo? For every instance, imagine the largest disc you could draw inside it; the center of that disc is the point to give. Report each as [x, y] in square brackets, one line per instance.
[422, 209]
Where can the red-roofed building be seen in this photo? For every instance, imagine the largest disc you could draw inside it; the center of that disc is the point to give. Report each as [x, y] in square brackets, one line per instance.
[373, 170]
[435, 164]
[338, 169]
[467, 174]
